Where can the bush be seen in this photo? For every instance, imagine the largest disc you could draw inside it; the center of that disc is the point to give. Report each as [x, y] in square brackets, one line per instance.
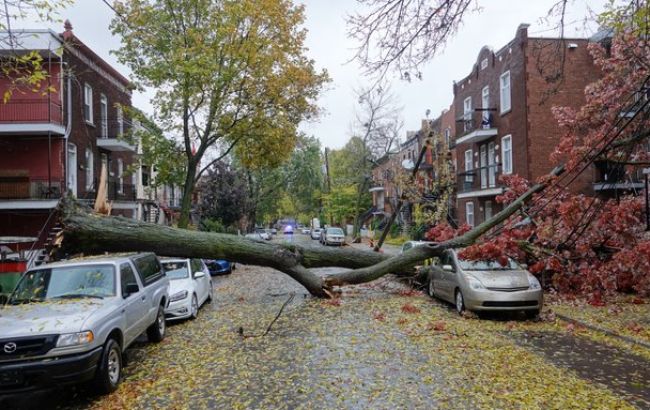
[215, 225]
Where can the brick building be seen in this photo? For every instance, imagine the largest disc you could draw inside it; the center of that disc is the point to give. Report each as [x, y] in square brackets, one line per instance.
[55, 140]
[504, 123]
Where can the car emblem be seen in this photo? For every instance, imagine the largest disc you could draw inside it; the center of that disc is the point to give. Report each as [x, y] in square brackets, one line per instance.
[10, 347]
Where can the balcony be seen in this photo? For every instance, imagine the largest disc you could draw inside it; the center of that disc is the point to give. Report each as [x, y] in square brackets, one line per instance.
[478, 182]
[475, 126]
[612, 176]
[116, 191]
[24, 192]
[31, 117]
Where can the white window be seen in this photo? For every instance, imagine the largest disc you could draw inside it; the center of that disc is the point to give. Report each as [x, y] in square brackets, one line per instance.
[72, 168]
[485, 105]
[491, 162]
[88, 103]
[467, 114]
[468, 165]
[506, 154]
[505, 92]
[483, 166]
[447, 136]
[120, 121]
[484, 63]
[488, 210]
[103, 115]
[90, 171]
[469, 213]
[120, 174]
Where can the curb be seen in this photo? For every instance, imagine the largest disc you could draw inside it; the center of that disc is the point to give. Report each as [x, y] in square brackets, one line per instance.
[601, 330]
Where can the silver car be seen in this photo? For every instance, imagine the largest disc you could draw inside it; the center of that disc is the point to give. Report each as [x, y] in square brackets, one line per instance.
[484, 286]
[333, 236]
[69, 322]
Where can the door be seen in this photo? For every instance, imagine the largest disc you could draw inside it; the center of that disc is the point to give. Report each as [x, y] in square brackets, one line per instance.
[72, 169]
[483, 166]
[492, 168]
[135, 310]
[447, 281]
[485, 104]
[201, 284]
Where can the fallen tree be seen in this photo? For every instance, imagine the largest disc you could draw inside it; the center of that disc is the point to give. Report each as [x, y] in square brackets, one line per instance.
[88, 233]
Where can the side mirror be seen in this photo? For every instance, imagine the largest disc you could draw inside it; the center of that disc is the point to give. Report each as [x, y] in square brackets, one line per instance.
[447, 268]
[198, 275]
[132, 288]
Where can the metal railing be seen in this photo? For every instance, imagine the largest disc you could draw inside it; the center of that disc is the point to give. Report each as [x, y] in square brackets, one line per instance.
[116, 190]
[479, 178]
[474, 120]
[30, 111]
[25, 187]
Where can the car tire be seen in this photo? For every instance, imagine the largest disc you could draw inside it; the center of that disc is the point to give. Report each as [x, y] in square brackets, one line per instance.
[109, 372]
[210, 294]
[531, 314]
[233, 266]
[194, 313]
[460, 302]
[156, 332]
[430, 288]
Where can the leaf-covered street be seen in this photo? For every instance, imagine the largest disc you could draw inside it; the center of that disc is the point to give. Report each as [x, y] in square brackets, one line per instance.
[380, 346]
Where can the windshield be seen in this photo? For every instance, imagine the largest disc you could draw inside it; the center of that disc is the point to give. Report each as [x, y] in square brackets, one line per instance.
[94, 281]
[486, 265]
[334, 231]
[176, 270]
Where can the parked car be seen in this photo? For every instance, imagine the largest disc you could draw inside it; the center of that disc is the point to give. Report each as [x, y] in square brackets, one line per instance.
[485, 285]
[190, 286]
[264, 234]
[333, 236]
[219, 266]
[288, 230]
[304, 231]
[254, 235]
[70, 322]
[274, 231]
[315, 233]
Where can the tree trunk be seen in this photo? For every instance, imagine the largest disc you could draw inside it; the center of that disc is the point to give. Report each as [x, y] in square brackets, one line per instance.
[188, 191]
[87, 233]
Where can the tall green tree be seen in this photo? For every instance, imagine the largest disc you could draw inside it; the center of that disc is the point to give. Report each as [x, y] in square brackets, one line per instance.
[230, 76]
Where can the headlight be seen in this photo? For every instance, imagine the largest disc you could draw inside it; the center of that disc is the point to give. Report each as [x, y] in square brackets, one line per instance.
[474, 283]
[533, 282]
[178, 296]
[73, 339]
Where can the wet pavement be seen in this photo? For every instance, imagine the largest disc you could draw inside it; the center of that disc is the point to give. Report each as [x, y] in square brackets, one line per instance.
[381, 346]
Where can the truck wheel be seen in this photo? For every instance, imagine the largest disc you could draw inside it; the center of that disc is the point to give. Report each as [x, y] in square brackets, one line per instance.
[156, 332]
[109, 372]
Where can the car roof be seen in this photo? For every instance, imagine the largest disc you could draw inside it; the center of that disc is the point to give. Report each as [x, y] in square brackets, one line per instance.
[171, 259]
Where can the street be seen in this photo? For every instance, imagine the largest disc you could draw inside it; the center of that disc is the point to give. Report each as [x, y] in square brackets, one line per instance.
[380, 346]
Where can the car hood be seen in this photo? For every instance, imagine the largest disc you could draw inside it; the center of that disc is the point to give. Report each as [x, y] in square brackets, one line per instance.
[56, 317]
[179, 285]
[502, 279]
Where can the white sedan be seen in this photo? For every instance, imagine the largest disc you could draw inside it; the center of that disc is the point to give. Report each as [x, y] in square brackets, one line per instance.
[190, 286]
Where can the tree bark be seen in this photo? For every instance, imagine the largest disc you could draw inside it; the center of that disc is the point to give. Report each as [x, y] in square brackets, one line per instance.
[91, 234]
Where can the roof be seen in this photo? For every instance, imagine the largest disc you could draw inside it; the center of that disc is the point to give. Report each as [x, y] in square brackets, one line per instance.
[45, 42]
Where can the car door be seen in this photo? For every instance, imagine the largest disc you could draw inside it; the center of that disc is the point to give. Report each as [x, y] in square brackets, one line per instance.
[134, 310]
[199, 283]
[448, 278]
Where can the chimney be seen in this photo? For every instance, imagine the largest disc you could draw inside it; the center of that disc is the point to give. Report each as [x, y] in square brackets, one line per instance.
[67, 34]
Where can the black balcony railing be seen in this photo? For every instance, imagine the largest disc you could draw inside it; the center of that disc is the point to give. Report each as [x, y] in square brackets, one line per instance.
[480, 178]
[25, 187]
[117, 190]
[474, 120]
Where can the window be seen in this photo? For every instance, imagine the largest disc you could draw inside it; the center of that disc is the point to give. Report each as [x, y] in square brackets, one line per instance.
[90, 171]
[488, 210]
[483, 166]
[120, 174]
[467, 114]
[469, 213]
[120, 121]
[505, 92]
[88, 103]
[506, 154]
[149, 268]
[447, 136]
[491, 161]
[468, 165]
[485, 105]
[103, 114]
[72, 168]
[127, 277]
[484, 63]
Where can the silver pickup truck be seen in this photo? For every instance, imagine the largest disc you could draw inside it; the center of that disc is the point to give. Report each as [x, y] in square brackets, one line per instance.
[69, 322]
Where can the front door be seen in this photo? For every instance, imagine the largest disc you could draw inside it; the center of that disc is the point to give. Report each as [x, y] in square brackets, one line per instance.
[72, 169]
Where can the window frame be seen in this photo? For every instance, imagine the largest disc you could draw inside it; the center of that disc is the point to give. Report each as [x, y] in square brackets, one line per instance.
[90, 169]
[503, 97]
[103, 116]
[468, 205]
[120, 174]
[506, 170]
[120, 121]
[88, 104]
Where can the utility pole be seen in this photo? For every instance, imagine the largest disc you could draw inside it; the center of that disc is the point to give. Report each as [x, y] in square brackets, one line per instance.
[329, 181]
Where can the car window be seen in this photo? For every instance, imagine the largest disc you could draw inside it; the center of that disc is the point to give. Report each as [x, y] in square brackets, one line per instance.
[127, 277]
[149, 268]
[446, 259]
[406, 247]
[176, 270]
[335, 231]
[197, 266]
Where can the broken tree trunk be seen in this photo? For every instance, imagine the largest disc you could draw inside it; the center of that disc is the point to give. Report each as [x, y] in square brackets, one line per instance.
[84, 232]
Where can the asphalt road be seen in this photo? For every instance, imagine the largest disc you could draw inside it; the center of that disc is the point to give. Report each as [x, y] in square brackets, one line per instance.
[381, 346]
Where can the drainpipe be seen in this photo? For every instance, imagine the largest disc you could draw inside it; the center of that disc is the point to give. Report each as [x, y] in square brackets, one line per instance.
[68, 127]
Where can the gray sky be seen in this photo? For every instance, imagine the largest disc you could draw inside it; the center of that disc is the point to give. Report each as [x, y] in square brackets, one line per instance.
[328, 45]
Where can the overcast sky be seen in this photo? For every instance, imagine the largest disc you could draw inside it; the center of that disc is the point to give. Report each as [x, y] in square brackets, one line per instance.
[494, 26]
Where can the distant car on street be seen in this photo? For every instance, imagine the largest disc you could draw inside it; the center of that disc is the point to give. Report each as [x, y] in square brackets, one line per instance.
[255, 236]
[333, 236]
[315, 233]
[219, 266]
[274, 231]
[288, 230]
[304, 231]
[264, 234]
[485, 285]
